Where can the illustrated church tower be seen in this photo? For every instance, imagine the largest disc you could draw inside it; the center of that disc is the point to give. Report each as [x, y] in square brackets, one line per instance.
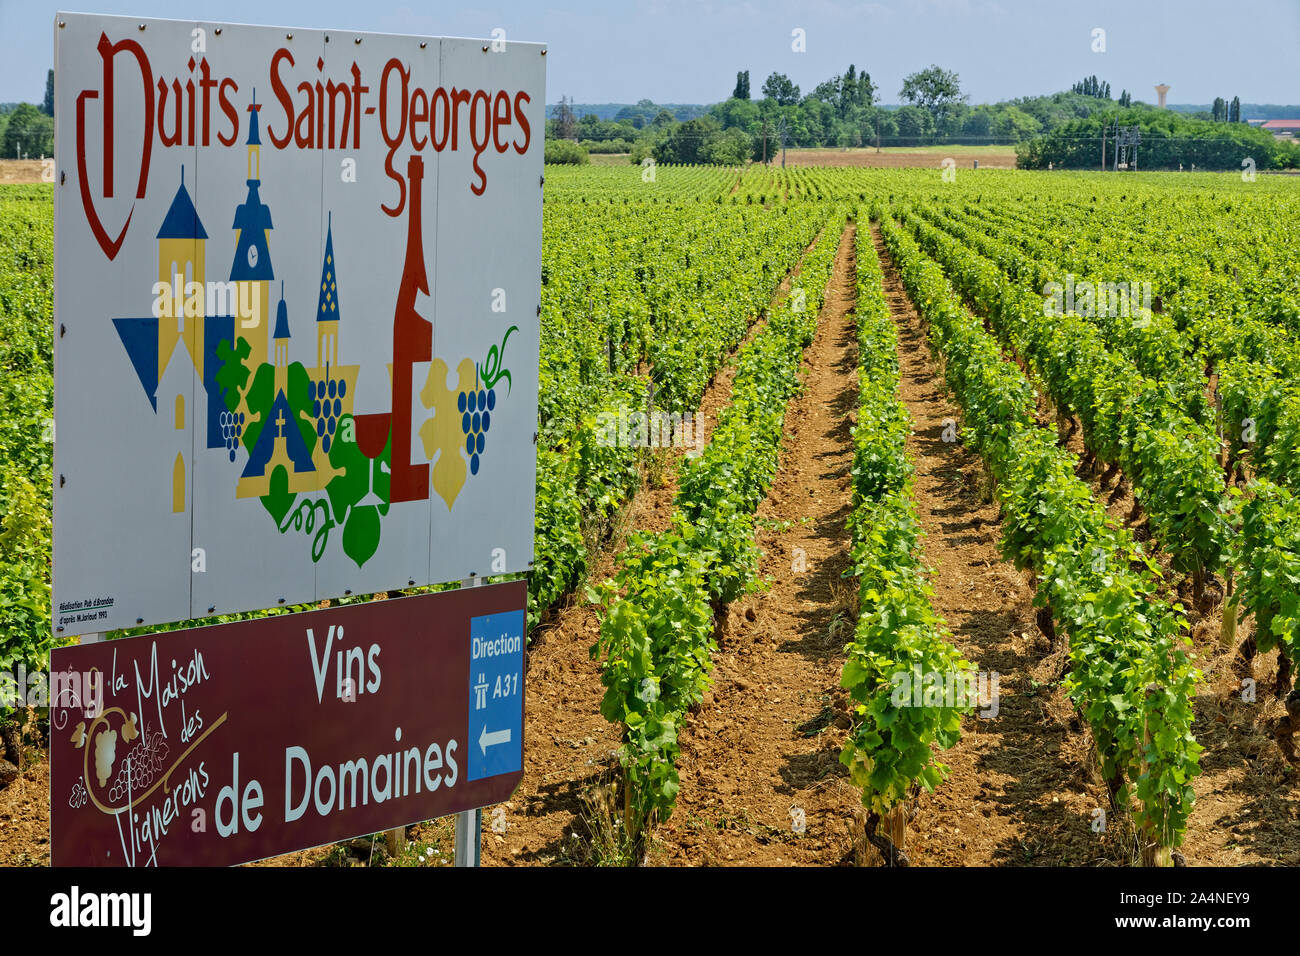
[330, 385]
[251, 270]
[181, 256]
[181, 253]
[280, 448]
[327, 308]
[281, 344]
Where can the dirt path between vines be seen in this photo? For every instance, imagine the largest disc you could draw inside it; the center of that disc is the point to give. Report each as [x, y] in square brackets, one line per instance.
[1247, 809]
[569, 747]
[766, 743]
[1019, 792]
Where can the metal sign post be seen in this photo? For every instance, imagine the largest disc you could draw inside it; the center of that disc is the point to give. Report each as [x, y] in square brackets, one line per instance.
[469, 823]
[469, 840]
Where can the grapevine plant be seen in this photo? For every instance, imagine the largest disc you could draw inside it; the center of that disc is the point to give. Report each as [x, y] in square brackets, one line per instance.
[660, 608]
[899, 638]
[1131, 672]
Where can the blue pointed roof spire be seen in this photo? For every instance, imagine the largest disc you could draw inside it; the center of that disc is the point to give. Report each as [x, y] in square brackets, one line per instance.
[253, 252]
[182, 219]
[327, 306]
[254, 134]
[281, 316]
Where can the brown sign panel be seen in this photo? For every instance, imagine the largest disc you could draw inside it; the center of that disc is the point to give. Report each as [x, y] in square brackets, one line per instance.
[237, 742]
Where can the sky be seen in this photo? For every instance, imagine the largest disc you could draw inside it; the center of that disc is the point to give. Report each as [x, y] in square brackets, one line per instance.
[673, 51]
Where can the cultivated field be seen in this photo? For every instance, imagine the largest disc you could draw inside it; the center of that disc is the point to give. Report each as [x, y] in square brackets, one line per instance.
[20, 172]
[883, 516]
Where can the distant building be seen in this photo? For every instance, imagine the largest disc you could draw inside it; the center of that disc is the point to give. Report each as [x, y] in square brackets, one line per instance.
[1282, 128]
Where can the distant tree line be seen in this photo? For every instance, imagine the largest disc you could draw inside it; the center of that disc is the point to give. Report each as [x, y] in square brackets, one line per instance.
[842, 111]
[1168, 140]
[1224, 112]
[26, 130]
[1091, 86]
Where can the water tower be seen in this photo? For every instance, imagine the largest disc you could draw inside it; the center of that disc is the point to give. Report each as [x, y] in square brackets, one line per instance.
[1162, 90]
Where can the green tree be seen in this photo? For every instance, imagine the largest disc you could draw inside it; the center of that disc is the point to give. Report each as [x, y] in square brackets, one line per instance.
[737, 114]
[48, 108]
[864, 91]
[848, 89]
[914, 122]
[935, 90]
[566, 123]
[827, 91]
[589, 127]
[687, 142]
[979, 121]
[741, 91]
[1234, 111]
[564, 151]
[781, 88]
[29, 131]
[1015, 124]
[639, 116]
[730, 147]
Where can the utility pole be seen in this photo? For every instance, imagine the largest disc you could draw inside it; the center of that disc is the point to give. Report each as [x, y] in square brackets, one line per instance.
[1103, 146]
[764, 141]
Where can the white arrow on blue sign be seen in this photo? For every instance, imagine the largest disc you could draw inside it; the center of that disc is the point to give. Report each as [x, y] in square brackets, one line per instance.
[496, 700]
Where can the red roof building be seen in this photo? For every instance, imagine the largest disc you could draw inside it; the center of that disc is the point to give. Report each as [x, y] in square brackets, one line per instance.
[1282, 127]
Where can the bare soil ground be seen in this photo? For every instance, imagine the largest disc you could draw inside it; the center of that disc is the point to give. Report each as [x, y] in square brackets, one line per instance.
[867, 157]
[1021, 792]
[18, 171]
[25, 816]
[763, 751]
[569, 742]
[1247, 808]
[1248, 794]
[571, 748]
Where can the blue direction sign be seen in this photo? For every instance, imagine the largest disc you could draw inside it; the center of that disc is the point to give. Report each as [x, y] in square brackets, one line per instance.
[496, 699]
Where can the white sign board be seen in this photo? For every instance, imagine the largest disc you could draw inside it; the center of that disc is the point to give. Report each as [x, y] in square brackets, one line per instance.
[297, 286]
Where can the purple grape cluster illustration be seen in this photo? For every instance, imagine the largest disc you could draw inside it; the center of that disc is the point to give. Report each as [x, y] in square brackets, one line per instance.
[476, 409]
[142, 765]
[327, 407]
[232, 430]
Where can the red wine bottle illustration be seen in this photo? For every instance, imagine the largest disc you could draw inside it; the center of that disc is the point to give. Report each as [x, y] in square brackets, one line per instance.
[412, 342]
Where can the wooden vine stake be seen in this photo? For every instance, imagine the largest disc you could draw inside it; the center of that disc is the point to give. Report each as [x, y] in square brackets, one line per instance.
[881, 834]
[895, 826]
[1154, 851]
[1228, 631]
